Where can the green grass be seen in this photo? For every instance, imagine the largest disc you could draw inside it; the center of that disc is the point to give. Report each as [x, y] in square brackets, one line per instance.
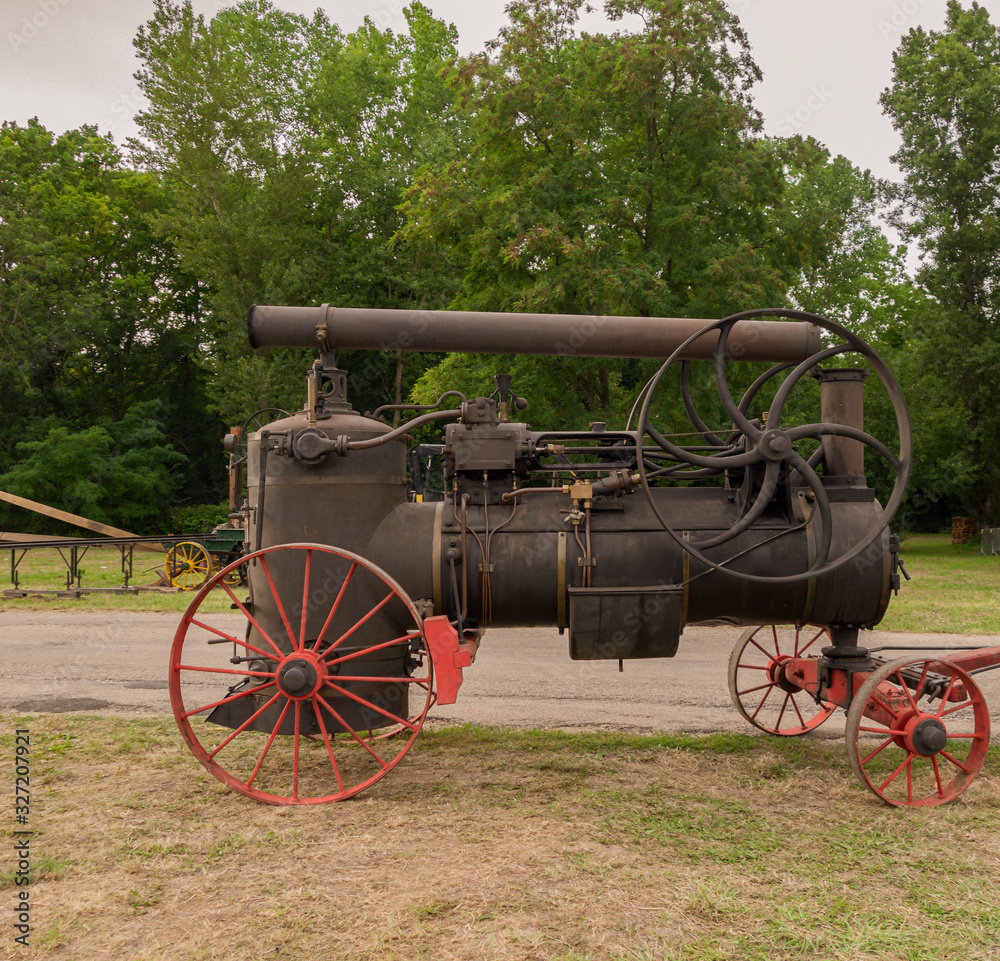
[607, 847]
[954, 589]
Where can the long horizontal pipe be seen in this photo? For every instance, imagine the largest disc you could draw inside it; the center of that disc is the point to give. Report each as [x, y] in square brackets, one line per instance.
[491, 332]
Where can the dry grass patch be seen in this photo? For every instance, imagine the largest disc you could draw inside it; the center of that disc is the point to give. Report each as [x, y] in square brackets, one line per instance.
[488, 843]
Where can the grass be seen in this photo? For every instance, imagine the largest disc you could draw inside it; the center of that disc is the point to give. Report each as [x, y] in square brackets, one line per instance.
[954, 588]
[505, 844]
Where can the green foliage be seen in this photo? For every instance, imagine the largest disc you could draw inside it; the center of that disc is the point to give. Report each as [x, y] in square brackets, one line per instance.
[197, 518]
[861, 282]
[97, 315]
[945, 104]
[121, 472]
[607, 174]
[287, 146]
[620, 174]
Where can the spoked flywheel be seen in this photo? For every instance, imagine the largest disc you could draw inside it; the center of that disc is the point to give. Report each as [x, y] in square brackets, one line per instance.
[765, 450]
[317, 685]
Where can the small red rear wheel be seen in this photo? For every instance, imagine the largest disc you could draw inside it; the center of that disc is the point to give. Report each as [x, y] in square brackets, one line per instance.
[759, 688]
[917, 738]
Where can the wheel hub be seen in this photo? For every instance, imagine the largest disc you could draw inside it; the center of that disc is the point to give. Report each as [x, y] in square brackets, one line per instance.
[774, 445]
[299, 676]
[928, 736]
[777, 674]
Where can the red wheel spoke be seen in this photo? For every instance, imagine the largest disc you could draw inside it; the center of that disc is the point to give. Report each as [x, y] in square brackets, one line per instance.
[877, 751]
[937, 777]
[234, 639]
[305, 603]
[246, 613]
[350, 730]
[755, 667]
[958, 707]
[395, 642]
[327, 740]
[344, 679]
[277, 601]
[816, 637]
[777, 646]
[224, 670]
[366, 703]
[946, 695]
[298, 721]
[892, 777]
[364, 620]
[797, 711]
[253, 717]
[336, 604]
[906, 687]
[759, 687]
[766, 654]
[781, 713]
[957, 764]
[762, 700]
[267, 746]
[227, 699]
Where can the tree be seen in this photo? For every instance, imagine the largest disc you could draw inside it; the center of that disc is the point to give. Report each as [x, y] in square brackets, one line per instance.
[620, 174]
[945, 104]
[96, 315]
[117, 471]
[287, 146]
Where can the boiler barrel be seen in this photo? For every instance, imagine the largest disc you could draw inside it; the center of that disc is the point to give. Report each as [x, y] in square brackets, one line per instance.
[489, 332]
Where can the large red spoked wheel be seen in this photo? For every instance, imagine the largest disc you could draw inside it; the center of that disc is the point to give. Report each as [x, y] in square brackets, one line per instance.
[313, 698]
[914, 737]
[759, 687]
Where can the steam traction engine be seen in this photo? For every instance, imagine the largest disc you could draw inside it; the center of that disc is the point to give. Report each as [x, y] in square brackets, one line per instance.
[363, 603]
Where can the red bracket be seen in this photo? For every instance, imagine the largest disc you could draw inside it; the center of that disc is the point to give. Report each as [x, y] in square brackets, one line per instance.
[449, 655]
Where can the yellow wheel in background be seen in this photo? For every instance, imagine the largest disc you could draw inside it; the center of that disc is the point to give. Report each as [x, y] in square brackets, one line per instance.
[188, 565]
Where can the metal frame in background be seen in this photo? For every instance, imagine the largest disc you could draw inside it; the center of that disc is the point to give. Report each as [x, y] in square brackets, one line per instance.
[73, 549]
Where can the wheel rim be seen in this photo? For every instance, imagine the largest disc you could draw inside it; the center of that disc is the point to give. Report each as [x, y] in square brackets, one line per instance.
[187, 565]
[912, 748]
[290, 732]
[757, 684]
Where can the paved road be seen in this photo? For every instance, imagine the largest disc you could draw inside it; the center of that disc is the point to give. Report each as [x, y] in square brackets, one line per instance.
[113, 662]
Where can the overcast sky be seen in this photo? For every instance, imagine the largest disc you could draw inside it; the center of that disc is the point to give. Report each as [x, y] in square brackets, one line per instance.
[825, 62]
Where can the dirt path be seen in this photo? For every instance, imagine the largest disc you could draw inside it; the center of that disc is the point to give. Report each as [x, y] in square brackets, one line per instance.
[117, 663]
